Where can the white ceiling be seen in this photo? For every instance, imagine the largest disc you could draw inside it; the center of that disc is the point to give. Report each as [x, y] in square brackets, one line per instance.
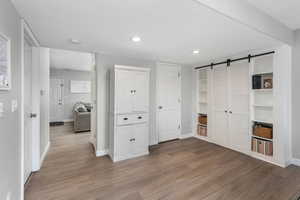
[62, 59]
[170, 29]
[285, 11]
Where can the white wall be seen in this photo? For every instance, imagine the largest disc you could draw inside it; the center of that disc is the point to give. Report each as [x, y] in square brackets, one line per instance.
[296, 98]
[104, 63]
[187, 74]
[282, 105]
[10, 128]
[44, 100]
[69, 98]
[248, 15]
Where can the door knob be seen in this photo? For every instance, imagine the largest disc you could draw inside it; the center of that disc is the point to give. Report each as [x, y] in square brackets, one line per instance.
[230, 112]
[33, 115]
[160, 107]
[225, 111]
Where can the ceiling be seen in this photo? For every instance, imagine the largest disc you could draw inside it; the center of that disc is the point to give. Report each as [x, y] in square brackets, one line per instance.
[286, 11]
[170, 29]
[73, 60]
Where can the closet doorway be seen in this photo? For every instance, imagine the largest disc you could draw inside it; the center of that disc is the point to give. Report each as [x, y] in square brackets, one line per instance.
[168, 102]
[231, 105]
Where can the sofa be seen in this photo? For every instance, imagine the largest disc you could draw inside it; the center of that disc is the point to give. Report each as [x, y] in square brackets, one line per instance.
[82, 117]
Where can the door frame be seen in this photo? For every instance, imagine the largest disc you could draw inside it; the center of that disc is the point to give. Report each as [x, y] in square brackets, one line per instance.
[154, 138]
[28, 34]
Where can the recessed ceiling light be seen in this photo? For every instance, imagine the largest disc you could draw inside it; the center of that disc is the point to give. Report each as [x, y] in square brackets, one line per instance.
[196, 52]
[136, 39]
[75, 41]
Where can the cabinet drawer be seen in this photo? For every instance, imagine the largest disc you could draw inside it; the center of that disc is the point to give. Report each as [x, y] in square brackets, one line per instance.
[139, 118]
[125, 120]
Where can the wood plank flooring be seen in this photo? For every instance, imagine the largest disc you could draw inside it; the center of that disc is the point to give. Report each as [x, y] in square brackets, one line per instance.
[178, 170]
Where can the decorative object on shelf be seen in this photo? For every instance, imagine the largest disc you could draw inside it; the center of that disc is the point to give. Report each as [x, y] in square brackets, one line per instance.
[5, 63]
[202, 125]
[202, 119]
[262, 146]
[202, 130]
[263, 130]
[256, 82]
[267, 82]
[262, 81]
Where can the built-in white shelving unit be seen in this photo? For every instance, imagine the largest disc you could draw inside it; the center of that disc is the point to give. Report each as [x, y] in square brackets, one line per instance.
[246, 106]
[262, 107]
[203, 100]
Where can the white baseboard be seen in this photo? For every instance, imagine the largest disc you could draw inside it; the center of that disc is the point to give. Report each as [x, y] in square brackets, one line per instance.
[187, 135]
[100, 153]
[44, 154]
[295, 161]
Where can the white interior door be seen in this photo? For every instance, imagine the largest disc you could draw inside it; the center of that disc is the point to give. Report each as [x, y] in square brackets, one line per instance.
[56, 100]
[27, 110]
[124, 91]
[141, 92]
[239, 106]
[93, 111]
[220, 105]
[168, 102]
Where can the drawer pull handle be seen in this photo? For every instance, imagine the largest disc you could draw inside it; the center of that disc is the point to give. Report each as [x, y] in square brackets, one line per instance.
[125, 118]
[139, 117]
[131, 140]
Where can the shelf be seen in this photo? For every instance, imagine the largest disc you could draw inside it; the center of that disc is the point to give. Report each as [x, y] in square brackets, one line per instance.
[262, 138]
[263, 121]
[263, 106]
[202, 113]
[262, 74]
[203, 125]
[263, 90]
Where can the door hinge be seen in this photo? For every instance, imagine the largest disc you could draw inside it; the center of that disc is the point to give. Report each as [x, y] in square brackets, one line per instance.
[179, 74]
[179, 126]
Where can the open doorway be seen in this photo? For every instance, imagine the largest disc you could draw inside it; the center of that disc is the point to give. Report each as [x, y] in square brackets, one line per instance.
[71, 100]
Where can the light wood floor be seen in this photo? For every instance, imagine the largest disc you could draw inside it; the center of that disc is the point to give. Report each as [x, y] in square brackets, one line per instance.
[185, 169]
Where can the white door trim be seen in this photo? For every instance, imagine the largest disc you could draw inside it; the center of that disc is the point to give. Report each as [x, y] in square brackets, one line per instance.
[155, 139]
[27, 33]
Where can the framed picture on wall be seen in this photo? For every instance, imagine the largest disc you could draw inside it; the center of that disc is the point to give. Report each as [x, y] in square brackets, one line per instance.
[5, 63]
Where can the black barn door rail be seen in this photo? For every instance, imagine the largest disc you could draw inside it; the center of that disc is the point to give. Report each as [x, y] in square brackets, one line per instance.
[229, 61]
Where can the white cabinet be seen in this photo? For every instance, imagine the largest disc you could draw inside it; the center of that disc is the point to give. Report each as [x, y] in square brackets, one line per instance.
[131, 91]
[141, 92]
[129, 126]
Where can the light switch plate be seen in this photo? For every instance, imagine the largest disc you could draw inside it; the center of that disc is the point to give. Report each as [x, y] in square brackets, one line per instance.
[14, 105]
